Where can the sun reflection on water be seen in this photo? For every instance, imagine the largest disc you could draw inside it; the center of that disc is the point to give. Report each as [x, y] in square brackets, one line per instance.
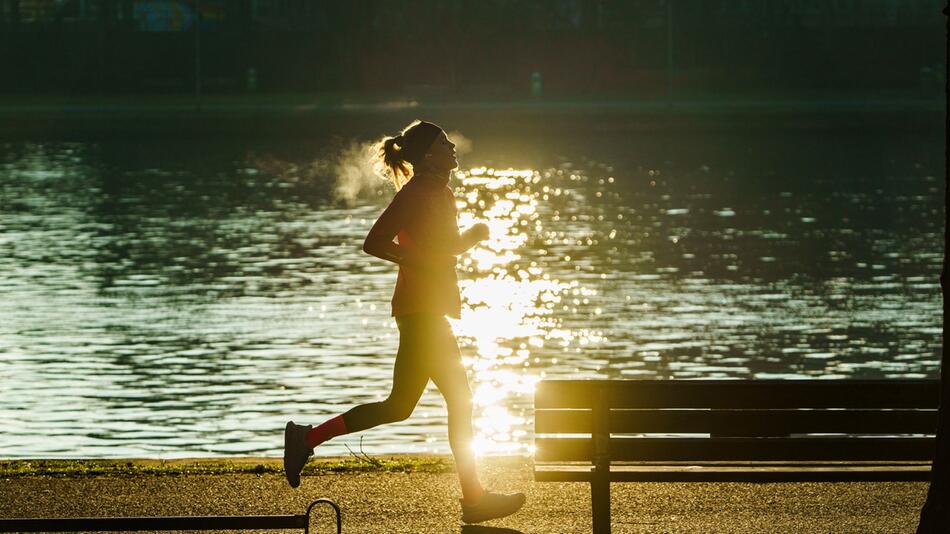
[509, 302]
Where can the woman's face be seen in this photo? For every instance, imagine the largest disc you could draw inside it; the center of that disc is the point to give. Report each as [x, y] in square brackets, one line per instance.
[441, 155]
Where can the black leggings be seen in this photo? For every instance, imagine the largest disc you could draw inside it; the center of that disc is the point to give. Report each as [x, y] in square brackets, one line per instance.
[427, 349]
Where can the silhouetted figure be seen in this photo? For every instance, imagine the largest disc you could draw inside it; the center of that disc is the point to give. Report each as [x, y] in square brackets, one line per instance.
[422, 216]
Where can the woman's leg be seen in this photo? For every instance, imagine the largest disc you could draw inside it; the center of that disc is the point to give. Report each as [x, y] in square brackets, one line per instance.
[448, 373]
[410, 377]
[409, 382]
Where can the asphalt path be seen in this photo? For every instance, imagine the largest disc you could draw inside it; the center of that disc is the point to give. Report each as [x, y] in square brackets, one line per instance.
[422, 503]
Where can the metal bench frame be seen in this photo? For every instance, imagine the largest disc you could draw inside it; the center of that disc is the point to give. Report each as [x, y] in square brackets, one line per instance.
[759, 431]
[208, 522]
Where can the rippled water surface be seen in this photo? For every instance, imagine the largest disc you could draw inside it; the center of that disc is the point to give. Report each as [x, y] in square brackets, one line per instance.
[188, 299]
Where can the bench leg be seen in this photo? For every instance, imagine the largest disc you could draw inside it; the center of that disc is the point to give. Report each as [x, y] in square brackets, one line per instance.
[600, 503]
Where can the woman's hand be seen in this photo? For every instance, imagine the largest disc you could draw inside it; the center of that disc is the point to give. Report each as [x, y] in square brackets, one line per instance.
[469, 238]
[480, 232]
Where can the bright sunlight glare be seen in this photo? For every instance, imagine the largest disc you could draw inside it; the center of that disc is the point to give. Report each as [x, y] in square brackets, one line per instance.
[509, 304]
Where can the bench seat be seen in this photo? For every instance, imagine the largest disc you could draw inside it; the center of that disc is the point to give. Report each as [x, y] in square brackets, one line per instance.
[741, 472]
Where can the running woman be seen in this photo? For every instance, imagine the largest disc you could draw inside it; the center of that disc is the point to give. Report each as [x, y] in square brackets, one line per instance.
[422, 216]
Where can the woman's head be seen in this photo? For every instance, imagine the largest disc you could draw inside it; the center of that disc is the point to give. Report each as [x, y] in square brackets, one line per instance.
[420, 146]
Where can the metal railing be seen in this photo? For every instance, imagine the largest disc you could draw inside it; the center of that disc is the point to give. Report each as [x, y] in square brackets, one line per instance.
[208, 522]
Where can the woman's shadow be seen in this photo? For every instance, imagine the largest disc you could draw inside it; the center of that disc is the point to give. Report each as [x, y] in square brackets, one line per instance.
[477, 529]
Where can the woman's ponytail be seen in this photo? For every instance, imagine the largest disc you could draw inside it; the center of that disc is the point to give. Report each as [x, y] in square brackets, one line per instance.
[398, 154]
[394, 162]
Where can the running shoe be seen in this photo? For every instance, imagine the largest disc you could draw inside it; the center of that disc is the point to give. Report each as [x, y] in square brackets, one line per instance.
[296, 451]
[492, 506]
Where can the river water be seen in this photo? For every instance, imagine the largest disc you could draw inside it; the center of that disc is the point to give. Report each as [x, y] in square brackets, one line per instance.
[188, 299]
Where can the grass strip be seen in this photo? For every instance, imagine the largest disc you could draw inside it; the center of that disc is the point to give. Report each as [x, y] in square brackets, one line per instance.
[217, 466]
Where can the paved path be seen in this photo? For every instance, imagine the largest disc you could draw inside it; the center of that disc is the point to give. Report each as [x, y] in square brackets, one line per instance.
[423, 503]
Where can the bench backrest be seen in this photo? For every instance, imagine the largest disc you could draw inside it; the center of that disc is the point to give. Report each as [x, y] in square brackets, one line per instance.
[736, 420]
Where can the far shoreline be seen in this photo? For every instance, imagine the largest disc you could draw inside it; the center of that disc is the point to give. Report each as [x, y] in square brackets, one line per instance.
[291, 116]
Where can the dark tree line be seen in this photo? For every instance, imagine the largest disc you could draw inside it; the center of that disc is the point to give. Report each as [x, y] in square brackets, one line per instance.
[579, 46]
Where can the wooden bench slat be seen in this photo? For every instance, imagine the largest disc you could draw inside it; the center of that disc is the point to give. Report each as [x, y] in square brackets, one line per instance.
[726, 394]
[582, 465]
[748, 472]
[700, 449]
[742, 422]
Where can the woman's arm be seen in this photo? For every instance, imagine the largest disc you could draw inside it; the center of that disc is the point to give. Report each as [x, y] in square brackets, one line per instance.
[379, 240]
[469, 238]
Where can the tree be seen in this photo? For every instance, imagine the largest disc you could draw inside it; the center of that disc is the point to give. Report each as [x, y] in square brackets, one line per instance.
[935, 514]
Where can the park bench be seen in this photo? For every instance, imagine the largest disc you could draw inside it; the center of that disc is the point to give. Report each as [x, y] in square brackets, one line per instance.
[212, 522]
[731, 431]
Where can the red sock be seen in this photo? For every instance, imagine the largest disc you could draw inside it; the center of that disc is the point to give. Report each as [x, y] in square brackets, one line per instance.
[329, 429]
